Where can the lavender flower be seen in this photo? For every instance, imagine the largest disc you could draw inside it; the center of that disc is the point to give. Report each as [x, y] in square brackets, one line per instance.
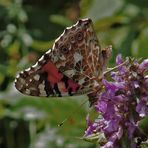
[122, 105]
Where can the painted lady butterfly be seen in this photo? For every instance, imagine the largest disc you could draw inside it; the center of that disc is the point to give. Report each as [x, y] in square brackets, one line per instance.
[73, 66]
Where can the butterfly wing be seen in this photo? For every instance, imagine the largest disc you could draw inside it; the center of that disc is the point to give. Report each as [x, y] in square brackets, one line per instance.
[78, 55]
[73, 66]
[44, 79]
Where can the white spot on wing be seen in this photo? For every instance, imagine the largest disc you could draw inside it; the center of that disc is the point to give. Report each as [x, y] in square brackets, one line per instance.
[30, 80]
[20, 87]
[69, 73]
[43, 93]
[22, 80]
[36, 77]
[41, 86]
[81, 81]
[27, 91]
[42, 89]
[77, 57]
[62, 57]
[33, 88]
[55, 58]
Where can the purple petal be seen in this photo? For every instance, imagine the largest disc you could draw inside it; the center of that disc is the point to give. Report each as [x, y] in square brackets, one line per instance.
[114, 86]
[122, 69]
[111, 126]
[136, 84]
[120, 99]
[142, 107]
[133, 145]
[110, 111]
[117, 135]
[144, 65]
[145, 84]
[109, 144]
[113, 138]
[145, 98]
[131, 129]
[89, 123]
[101, 106]
[119, 59]
[115, 76]
[91, 127]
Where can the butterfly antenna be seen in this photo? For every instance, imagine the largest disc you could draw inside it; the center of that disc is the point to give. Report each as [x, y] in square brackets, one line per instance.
[66, 119]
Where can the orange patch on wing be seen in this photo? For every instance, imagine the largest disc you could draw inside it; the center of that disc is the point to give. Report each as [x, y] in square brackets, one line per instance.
[62, 87]
[73, 85]
[54, 76]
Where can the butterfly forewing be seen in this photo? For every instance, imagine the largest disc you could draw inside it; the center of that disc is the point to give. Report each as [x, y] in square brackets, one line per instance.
[76, 54]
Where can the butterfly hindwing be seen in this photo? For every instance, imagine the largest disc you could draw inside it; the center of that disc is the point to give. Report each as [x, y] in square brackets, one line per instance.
[44, 79]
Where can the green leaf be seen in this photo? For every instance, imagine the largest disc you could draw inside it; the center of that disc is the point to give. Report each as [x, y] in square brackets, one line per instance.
[100, 9]
[105, 23]
[14, 48]
[139, 3]
[57, 110]
[41, 45]
[127, 43]
[85, 6]
[143, 124]
[3, 69]
[143, 45]
[61, 20]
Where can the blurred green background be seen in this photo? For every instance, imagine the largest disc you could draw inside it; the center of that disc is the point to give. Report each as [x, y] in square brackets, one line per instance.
[28, 28]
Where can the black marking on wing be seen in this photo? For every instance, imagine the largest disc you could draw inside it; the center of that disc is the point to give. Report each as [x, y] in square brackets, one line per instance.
[57, 90]
[70, 91]
[48, 87]
[65, 79]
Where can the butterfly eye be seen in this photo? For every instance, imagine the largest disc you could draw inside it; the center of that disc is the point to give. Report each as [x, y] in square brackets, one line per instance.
[64, 49]
[79, 36]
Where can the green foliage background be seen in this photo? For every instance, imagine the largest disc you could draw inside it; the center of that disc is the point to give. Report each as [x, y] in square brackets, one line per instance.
[27, 30]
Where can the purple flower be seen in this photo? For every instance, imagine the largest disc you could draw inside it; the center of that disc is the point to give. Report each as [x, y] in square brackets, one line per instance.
[142, 107]
[102, 106]
[144, 65]
[116, 77]
[91, 126]
[122, 104]
[113, 86]
[122, 69]
[119, 59]
[131, 129]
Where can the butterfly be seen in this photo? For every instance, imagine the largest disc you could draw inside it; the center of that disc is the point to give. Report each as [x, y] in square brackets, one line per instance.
[73, 66]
